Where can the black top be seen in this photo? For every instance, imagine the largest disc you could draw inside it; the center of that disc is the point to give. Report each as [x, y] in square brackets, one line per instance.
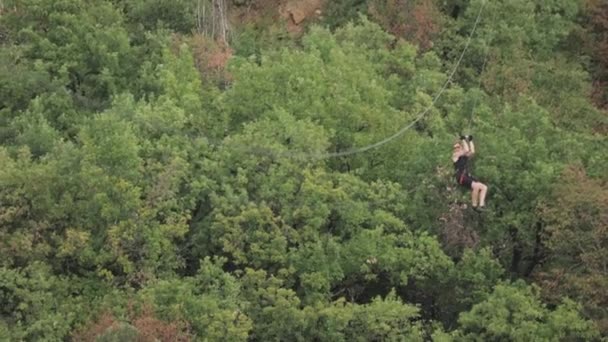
[461, 164]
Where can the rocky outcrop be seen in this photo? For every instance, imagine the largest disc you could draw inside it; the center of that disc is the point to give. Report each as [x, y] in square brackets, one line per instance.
[296, 12]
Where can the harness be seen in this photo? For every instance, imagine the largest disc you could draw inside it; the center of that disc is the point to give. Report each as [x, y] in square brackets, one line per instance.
[461, 171]
[461, 178]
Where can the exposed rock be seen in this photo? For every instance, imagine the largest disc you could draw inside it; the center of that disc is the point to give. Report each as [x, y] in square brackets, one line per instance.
[300, 10]
[297, 11]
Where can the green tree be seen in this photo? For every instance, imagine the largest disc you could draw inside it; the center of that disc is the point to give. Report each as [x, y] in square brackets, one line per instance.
[514, 312]
[524, 53]
[470, 281]
[576, 241]
[210, 301]
[83, 45]
[340, 12]
[177, 16]
[36, 305]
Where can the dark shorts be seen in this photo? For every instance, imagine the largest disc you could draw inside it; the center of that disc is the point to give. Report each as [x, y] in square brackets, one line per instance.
[465, 180]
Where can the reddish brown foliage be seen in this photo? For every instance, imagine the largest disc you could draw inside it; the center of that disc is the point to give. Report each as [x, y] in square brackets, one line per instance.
[458, 233]
[294, 13]
[417, 21]
[576, 236]
[211, 58]
[597, 43]
[256, 11]
[598, 23]
[94, 329]
[149, 328]
[153, 329]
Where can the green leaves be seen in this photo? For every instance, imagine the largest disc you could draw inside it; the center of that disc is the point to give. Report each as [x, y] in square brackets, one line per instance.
[111, 145]
[148, 191]
[209, 301]
[575, 235]
[178, 16]
[385, 319]
[514, 312]
[333, 84]
[35, 304]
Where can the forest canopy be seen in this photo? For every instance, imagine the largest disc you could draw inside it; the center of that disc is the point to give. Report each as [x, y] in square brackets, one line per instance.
[257, 170]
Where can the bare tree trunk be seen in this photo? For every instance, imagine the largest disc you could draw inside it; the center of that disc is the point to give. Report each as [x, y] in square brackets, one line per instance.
[199, 26]
[213, 16]
[204, 18]
[221, 20]
[213, 23]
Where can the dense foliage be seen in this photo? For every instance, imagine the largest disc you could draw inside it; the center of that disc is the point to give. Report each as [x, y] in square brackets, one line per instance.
[158, 184]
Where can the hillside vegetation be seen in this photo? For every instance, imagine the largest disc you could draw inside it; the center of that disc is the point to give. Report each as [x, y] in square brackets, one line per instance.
[256, 170]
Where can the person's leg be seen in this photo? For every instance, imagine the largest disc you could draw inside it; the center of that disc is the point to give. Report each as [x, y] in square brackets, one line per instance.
[474, 194]
[482, 195]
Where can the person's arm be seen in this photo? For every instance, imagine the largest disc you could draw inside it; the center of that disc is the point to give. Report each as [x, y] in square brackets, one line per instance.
[464, 143]
[467, 145]
[471, 145]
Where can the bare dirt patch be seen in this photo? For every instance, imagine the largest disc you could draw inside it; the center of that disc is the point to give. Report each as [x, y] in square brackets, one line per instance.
[294, 13]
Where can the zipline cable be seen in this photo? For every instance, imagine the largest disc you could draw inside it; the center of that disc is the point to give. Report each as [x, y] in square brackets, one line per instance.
[483, 66]
[348, 152]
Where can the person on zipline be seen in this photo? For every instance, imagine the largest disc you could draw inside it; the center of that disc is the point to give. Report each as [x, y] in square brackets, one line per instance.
[464, 150]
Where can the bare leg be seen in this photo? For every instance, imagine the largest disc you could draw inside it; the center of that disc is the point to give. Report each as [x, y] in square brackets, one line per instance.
[474, 194]
[482, 195]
